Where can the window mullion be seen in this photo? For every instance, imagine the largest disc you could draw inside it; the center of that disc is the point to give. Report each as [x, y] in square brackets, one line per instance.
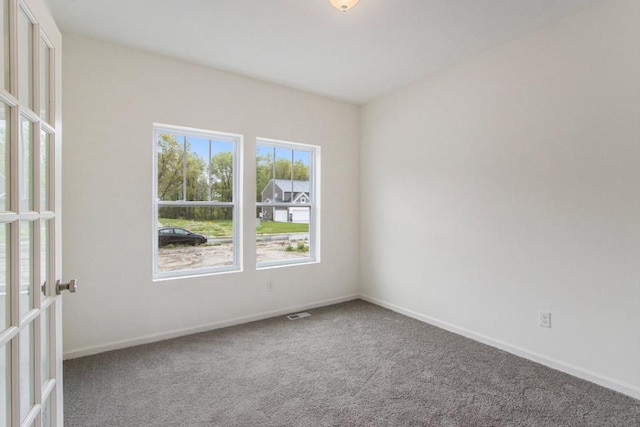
[210, 185]
[184, 169]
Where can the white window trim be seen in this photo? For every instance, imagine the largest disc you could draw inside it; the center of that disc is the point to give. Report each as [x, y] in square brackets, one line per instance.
[313, 203]
[236, 204]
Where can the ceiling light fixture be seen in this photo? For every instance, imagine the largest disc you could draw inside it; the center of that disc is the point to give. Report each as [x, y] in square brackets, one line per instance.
[344, 5]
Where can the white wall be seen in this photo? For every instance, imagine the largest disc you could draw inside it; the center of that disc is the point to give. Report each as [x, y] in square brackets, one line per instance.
[112, 96]
[509, 184]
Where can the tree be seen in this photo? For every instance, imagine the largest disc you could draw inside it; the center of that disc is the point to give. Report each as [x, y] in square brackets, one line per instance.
[170, 168]
[221, 170]
[264, 172]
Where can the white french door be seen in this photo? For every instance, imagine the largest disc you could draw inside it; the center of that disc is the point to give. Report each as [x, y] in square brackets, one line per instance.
[30, 312]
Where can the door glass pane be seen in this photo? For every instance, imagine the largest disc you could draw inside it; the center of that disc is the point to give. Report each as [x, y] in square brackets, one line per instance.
[45, 53]
[4, 157]
[45, 343]
[44, 171]
[26, 164]
[46, 412]
[5, 385]
[26, 267]
[4, 44]
[44, 257]
[25, 59]
[26, 370]
[4, 277]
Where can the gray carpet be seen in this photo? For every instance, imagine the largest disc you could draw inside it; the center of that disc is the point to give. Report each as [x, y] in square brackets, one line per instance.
[351, 364]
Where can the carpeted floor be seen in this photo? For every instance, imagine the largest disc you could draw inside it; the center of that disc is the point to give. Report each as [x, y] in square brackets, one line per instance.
[351, 364]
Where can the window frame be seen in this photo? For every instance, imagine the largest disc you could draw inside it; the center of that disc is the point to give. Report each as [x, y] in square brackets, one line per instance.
[313, 203]
[235, 204]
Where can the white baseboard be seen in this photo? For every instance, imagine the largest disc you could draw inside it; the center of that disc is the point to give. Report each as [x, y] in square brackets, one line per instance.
[116, 345]
[550, 362]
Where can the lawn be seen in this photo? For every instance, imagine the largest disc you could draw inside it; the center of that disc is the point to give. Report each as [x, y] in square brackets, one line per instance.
[223, 228]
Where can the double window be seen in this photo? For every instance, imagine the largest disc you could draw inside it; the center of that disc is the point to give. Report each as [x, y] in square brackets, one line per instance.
[197, 204]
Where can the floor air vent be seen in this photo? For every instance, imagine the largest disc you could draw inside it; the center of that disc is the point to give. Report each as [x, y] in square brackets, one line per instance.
[297, 316]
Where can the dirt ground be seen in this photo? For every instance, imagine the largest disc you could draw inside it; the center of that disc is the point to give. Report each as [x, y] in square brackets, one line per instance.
[207, 256]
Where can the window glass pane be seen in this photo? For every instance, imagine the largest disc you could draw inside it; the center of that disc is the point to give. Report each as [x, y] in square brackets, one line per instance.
[202, 238]
[44, 170]
[4, 44]
[26, 370]
[301, 166]
[170, 167]
[221, 171]
[264, 173]
[44, 256]
[283, 178]
[45, 53]
[197, 174]
[26, 267]
[25, 59]
[4, 277]
[4, 157]
[26, 164]
[5, 385]
[45, 344]
[284, 238]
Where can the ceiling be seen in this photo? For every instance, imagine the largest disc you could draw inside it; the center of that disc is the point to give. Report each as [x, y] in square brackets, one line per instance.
[355, 56]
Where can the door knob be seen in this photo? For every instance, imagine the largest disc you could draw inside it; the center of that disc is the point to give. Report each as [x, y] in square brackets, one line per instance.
[72, 286]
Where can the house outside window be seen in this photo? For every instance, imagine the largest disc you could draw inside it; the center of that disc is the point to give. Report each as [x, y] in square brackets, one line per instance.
[287, 196]
[196, 202]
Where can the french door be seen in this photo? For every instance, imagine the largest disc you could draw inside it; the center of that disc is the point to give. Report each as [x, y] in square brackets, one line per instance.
[30, 312]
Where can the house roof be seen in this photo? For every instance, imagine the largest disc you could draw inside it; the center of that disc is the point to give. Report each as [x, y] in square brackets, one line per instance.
[298, 186]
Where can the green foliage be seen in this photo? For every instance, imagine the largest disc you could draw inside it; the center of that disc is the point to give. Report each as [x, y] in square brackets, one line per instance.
[170, 168]
[221, 169]
[300, 247]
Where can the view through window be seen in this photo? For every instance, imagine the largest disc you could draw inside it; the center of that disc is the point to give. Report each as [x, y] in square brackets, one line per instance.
[286, 203]
[196, 201]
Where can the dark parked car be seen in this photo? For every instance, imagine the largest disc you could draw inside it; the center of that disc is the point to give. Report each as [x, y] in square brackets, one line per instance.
[179, 236]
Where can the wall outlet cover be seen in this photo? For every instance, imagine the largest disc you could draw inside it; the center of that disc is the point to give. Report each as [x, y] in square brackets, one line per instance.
[544, 319]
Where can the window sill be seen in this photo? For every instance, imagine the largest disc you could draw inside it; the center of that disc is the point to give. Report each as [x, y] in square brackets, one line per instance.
[272, 265]
[196, 274]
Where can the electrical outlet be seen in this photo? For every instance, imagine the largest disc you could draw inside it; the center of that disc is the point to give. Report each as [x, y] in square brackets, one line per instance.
[544, 319]
[270, 286]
